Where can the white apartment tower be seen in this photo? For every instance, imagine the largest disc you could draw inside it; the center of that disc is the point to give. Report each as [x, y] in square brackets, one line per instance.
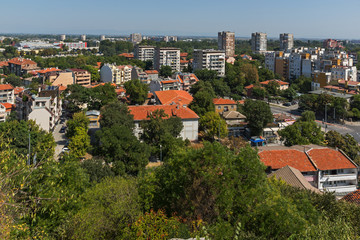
[286, 41]
[135, 38]
[258, 42]
[83, 37]
[226, 42]
[62, 37]
[167, 56]
[144, 53]
[209, 59]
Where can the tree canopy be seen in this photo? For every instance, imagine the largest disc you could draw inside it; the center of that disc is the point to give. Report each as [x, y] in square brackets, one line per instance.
[258, 115]
[137, 90]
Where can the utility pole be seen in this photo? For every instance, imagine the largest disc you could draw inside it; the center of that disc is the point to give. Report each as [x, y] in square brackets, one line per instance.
[28, 162]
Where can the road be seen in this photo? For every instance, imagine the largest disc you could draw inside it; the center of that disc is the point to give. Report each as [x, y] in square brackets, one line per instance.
[60, 139]
[351, 128]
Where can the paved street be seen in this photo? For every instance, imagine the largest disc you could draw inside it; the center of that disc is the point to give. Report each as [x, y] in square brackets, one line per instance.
[350, 128]
[60, 139]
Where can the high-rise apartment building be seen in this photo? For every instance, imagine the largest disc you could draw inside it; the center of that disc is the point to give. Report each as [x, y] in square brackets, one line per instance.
[167, 56]
[144, 53]
[209, 59]
[286, 41]
[62, 37]
[258, 42]
[83, 37]
[102, 37]
[226, 42]
[135, 38]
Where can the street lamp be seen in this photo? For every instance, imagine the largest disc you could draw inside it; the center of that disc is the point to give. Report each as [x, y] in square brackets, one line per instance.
[160, 153]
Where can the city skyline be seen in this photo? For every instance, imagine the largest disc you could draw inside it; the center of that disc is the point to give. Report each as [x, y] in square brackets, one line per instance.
[185, 18]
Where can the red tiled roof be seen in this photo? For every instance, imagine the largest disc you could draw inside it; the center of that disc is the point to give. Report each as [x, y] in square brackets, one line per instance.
[278, 81]
[277, 159]
[250, 86]
[150, 95]
[6, 87]
[168, 81]
[49, 70]
[223, 101]
[184, 54]
[177, 96]
[142, 112]
[184, 61]
[102, 84]
[353, 197]
[8, 106]
[127, 55]
[98, 65]
[4, 64]
[241, 102]
[329, 159]
[120, 90]
[151, 72]
[62, 88]
[21, 61]
[18, 90]
[353, 83]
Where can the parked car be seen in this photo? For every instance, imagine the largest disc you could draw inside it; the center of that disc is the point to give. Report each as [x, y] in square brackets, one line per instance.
[63, 129]
[65, 150]
[287, 104]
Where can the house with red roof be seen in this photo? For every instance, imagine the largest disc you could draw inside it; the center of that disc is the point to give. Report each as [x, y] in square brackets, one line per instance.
[282, 85]
[7, 94]
[152, 74]
[127, 55]
[189, 118]
[164, 85]
[325, 168]
[186, 80]
[353, 197]
[224, 105]
[110, 73]
[20, 66]
[5, 110]
[171, 97]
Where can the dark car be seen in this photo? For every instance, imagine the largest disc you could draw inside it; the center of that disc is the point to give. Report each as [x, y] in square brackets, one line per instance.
[63, 129]
[287, 104]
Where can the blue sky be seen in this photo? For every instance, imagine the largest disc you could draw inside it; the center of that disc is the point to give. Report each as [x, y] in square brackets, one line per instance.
[304, 18]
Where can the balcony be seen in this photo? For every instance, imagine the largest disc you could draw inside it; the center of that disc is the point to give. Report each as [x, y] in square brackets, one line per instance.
[338, 177]
[340, 188]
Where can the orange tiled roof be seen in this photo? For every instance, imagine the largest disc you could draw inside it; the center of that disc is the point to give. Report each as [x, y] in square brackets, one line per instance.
[4, 64]
[223, 101]
[127, 55]
[18, 90]
[168, 81]
[278, 81]
[250, 86]
[353, 197]
[8, 106]
[6, 87]
[151, 72]
[184, 54]
[277, 159]
[48, 70]
[329, 159]
[354, 83]
[21, 61]
[177, 96]
[120, 90]
[62, 88]
[184, 61]
[98, 65]
[142, 112]
[102, 84]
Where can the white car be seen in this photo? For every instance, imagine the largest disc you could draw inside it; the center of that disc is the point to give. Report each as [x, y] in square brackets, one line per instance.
[65, 150]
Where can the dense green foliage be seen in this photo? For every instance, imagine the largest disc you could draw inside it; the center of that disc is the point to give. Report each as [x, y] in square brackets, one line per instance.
[258, 115]
[203, 95]
[137, 91]
[211, 125]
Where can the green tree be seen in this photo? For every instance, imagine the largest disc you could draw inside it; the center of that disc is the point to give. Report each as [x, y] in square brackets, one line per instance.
[213, 125]
[250, 73]
[273, 88]
[79, 142]
[79, 120]
[165, 71]
[102, 95]
[347, 143]
[95, 75]
[14, 80]
[122, 149]
[77, 96]
[303, 131]
[206, 75]
[258, 115]
[259, 92]
[302, 84]
[116, 113]
[107, 210]
[137, 90]
[289, 93]
[203, 95]
[97, 169]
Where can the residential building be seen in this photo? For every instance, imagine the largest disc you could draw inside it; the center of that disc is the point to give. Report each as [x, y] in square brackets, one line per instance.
[116, 74]
[320, 80]
[139, 73]
[44, 108]
[294, 66]
[294, 178]
[5, 110]
[171, 97]
[76, 45]
[164, 85]
[167, 56]
[235, 121]
[102, 37]
[127, 55]
[282, 85]
[259, 42]
[224, 105]
[83, 37]
[341, 72]
[282, 67]
[94, 118]
[270, 57]
[325, 168]
[62, 37]
[81, 77]
[286, 41]
[331, 43]
[63, 78]
[20, 66]
[186, 80]
[153, 74]
[353, 197]
[170, 39]
[135, 38]
[209, 59]
[144, 53]
[226, 42]
[7, 93]
[189, 118]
